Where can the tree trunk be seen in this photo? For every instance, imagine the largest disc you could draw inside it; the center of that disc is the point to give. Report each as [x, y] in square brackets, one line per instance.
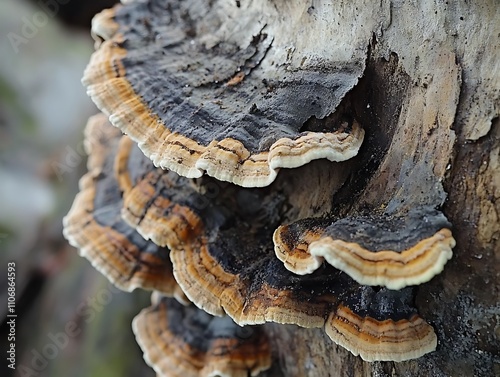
[421, 78]
[429, 102]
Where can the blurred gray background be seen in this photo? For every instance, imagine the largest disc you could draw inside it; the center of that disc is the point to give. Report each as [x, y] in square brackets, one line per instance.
[69, 320]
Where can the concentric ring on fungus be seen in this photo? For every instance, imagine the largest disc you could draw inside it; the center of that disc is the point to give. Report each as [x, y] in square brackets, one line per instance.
[391, 251]
[184, 341]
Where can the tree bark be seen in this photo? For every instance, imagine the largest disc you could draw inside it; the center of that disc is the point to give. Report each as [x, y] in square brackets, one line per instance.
[429, 102]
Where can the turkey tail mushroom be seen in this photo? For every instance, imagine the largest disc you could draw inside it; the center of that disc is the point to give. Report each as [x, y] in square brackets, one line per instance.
[206, 121]
[183, 341]
[387, 250]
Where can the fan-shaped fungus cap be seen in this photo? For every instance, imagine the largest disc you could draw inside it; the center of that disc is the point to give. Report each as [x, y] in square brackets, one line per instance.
[390, 251]
[291, 245]
[224, 261]
[381, 326]
[208, 87]
[95, 227]
[184, 341]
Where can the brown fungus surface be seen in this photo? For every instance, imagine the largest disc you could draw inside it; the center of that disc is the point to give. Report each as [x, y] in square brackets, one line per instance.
[184, 341]
[386, 250]
[223, 89]
[94, 224]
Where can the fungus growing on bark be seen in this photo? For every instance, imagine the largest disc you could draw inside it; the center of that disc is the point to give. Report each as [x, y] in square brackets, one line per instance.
[221, 248]
[184, 341]
[202, 91]
[231, 269]
[226, 89]
[389, 338]
[95, 227]
[220, 241]
[391, 251]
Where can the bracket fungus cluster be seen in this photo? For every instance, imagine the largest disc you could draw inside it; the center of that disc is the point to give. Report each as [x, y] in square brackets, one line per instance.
[188, 202]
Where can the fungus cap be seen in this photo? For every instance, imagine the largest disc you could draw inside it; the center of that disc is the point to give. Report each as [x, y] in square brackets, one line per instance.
[385, 340]
[184, 341]
[387, 250]
[201, 90]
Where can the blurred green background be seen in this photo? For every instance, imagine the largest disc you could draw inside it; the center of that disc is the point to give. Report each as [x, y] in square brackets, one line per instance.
[44, 48]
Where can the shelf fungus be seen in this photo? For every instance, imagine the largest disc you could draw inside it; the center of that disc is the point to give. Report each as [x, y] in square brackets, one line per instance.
[95, 227]
[199, 88]
[391, 251]
[184, 341]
